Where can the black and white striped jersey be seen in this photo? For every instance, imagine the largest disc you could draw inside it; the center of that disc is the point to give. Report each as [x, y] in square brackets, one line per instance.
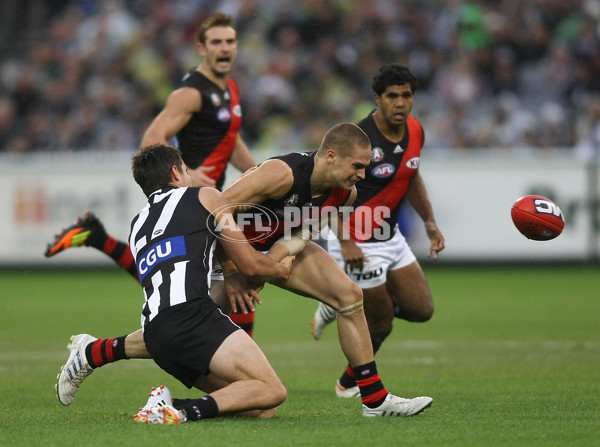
[172, 242]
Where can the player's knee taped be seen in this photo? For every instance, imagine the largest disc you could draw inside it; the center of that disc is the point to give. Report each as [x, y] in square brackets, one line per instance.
[349, 310]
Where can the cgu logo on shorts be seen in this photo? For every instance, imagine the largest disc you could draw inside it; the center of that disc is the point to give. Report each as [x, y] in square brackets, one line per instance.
[159, 252]
[546, 207]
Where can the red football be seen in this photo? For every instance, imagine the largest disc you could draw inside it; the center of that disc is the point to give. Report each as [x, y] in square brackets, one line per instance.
[537, 217]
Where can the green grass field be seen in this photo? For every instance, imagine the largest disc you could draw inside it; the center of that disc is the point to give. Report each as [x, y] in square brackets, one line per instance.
[511, 358]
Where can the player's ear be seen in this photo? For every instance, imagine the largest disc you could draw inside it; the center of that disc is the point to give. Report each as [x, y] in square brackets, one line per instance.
[331, 155]
[176, 175]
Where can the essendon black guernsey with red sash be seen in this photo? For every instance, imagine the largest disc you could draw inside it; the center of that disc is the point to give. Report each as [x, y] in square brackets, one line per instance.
[387, 177]
[209, 136]
[275, 218]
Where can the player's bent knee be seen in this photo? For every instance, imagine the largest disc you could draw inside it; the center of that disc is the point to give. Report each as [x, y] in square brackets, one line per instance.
[420, 315]
[347, 295]
[425, 313]
[276, 396]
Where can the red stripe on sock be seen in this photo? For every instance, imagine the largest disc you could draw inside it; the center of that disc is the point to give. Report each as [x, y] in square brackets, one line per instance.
[349, 371]
[375, 397]
[109, 245]
[110, 355]
[368, 381]
[97, 353]
[240, 318]
[126, 259]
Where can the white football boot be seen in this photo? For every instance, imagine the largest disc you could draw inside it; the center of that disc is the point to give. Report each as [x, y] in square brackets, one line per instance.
[74, 372]
[160, 415]
[399, 406]
[158, 397]
[323, 316]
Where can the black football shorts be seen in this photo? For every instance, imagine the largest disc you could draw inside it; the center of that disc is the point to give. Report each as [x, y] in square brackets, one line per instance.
[183, 339]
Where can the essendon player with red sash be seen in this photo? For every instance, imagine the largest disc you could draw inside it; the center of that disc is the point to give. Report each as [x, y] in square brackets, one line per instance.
[393, 165]
[372, 250]
[209, 137]
[297, 208]
[313, 181]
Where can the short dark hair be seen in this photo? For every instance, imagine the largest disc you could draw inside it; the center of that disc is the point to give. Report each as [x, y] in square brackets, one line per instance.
[393, 74]
[343, 138]
[217, 19]
[152, 166]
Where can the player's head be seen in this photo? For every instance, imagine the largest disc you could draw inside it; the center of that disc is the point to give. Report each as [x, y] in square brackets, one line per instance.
[217, 43]
[218, 19]
[153, 167]
[346, 149]
[394, 88]
[393, 74]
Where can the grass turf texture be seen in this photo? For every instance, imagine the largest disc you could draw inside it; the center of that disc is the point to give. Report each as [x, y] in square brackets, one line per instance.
[511, 358]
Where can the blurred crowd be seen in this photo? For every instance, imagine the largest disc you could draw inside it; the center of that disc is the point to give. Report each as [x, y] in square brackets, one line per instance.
[82, 75]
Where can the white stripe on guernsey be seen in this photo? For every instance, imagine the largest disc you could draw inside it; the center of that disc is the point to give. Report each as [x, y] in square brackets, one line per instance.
[143, 317]
[208, 256]
[173, 197]
[133, 246]
[177, 293]
[154, 299]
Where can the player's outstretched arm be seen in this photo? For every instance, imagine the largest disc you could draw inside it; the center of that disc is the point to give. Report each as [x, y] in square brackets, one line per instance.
[271, 180]
[178, 110]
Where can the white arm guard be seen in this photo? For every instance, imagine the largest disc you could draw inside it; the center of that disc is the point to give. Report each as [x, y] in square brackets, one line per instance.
[298, 240]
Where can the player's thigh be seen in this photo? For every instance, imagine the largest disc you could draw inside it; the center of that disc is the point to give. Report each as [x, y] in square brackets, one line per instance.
[409, 288]
[240, 358]
[316, 274]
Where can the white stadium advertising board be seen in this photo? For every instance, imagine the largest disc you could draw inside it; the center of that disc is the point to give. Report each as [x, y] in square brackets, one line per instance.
[472, 198]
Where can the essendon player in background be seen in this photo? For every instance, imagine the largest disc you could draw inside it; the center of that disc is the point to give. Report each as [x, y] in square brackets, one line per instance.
[376, 255]
[204, 116]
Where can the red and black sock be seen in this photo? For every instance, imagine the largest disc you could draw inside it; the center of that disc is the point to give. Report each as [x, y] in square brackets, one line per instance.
[347, 380]
[117, 250]
[196, 409]
[105, 350]
[120, 253]
[372, 391]
[245, 321]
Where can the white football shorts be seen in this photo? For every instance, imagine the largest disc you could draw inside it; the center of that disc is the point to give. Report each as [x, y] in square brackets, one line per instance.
[383, 256]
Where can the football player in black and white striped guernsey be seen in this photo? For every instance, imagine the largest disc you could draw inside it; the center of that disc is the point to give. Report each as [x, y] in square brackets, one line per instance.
[173, 240]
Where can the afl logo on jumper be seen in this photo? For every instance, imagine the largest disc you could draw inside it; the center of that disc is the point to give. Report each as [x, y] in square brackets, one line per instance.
[376, 154]
[384, 170]
[237, 110]
[159, 252]
[223, 114]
